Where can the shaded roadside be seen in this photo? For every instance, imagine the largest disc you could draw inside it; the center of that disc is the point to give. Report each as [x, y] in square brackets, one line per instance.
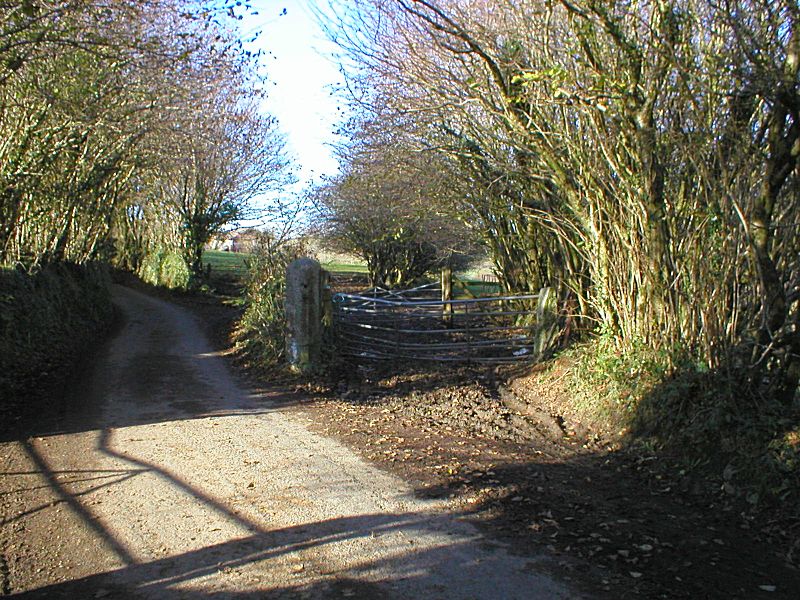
[622, 522]
[51, 323]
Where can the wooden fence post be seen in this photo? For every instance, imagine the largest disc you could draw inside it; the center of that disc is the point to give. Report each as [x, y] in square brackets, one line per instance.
[327, 299]
[447, 295]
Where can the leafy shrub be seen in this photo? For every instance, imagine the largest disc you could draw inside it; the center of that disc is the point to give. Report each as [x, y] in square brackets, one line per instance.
[260, 333]
[750, 440]
[175, 273]
[150, 268]
[165, 268]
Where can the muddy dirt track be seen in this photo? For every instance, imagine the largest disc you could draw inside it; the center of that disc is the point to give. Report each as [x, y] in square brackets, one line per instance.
[172, 481]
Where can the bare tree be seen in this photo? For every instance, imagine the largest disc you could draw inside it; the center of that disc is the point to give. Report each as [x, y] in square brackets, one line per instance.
[612, 150]
[393, 207]
[228, 160]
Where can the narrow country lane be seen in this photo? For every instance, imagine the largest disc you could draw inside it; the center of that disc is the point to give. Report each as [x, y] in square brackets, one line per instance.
[172, 481]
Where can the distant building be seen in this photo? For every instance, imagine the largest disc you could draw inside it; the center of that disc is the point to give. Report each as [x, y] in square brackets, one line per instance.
[245, 240]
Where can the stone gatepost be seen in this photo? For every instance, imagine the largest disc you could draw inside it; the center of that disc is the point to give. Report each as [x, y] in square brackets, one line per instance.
[304, 314]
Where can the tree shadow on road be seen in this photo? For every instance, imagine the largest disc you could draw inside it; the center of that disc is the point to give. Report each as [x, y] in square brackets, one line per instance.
[384, 555]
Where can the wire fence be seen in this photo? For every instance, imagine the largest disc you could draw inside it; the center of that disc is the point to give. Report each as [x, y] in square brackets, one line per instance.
[416, 324]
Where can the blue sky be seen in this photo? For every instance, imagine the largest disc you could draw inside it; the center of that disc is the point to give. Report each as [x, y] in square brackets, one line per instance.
[302, 71]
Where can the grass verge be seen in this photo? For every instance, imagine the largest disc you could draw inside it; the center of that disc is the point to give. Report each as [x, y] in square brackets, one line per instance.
[703, 420]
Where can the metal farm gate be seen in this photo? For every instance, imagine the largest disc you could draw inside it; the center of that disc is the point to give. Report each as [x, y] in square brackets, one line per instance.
[417, 324]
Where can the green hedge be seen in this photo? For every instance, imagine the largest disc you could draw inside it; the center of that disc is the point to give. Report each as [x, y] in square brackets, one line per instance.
[165, 268]
[47, 318]
[260, 334]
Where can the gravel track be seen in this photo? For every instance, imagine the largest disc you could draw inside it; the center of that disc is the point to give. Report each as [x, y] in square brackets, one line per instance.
[173, 481]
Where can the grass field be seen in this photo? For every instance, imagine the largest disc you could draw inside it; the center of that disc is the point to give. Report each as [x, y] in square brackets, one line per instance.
[226, 263]
[335, 267]
[235, 264]
[481, 288]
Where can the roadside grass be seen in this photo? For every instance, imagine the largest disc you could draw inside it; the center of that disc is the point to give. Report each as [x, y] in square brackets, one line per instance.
[704, 423]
